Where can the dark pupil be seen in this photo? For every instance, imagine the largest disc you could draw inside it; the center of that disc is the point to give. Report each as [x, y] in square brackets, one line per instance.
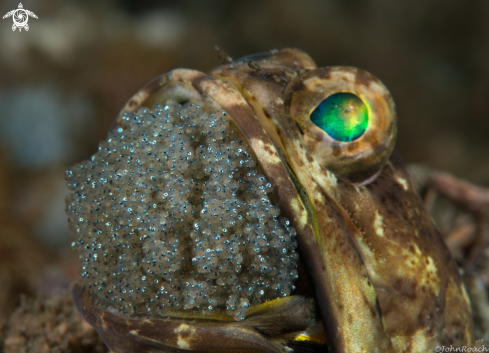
[343, 116]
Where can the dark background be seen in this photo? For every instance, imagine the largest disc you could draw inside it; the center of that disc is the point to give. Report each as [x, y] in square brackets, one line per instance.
[63, 82]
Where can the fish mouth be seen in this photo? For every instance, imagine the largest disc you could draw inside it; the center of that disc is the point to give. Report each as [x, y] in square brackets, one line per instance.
[281, 325]
[155, 234]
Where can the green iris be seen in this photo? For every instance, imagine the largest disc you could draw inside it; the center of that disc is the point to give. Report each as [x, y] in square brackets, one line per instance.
[343, 116]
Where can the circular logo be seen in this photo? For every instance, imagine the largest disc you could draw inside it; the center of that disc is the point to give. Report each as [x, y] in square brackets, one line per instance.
[20, 17]
[438, 349]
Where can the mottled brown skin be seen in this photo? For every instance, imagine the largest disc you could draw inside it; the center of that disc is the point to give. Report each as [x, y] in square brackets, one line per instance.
[409, 267]
[383, 279]
[348, 302]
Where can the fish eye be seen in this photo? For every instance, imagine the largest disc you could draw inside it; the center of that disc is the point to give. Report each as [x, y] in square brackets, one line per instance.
[343, 116]
[346, 118]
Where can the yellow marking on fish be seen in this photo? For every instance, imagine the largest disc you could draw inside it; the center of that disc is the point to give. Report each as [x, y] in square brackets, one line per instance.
[259, 147]
[297, 207]
[358, 209]
[403, 182]
[432, 270]
[102, 319]
[322, 176]
[370, 259]
[312, 83]
[379, 224]
[465, 294]
[303, 337]
[227, 96]
[421, 341]
[184, 342]
[330, 178]
[422, 267]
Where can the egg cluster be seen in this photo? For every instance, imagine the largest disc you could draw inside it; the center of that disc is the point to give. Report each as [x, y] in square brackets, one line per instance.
[173, 212]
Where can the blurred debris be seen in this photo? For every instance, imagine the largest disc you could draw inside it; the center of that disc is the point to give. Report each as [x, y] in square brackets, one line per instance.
[22, 261]
[39, 125]
[50, 325]
[255, 66]
[461, 211]
[39, 203]
[472, 198]
[223, 57]
[160, 29]
[480, 305]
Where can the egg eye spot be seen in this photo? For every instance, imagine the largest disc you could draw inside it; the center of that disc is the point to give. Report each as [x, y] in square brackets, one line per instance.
[343, 116]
